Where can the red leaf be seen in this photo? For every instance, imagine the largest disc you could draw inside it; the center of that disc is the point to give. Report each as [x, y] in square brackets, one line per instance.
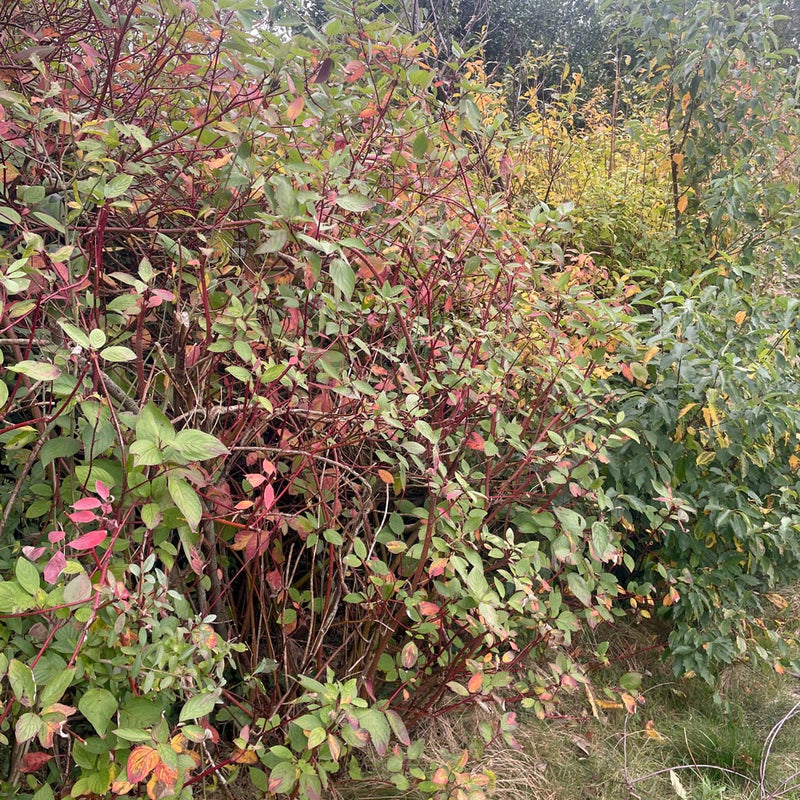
[89, 540]
[141, 762]
[55, 566]
[33, 762]
[274, 580]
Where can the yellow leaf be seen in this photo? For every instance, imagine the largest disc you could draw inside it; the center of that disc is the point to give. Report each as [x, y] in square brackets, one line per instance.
[609, 704]
[651, 353]
[651, 733]
[678, 158]
[794, 463]
[777, 600]
[682, 203]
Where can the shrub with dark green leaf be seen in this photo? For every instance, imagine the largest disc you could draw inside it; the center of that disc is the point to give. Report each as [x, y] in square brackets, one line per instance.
[708, 485]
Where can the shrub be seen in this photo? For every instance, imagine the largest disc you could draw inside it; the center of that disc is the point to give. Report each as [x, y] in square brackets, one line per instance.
[707, 488]
[275, 468]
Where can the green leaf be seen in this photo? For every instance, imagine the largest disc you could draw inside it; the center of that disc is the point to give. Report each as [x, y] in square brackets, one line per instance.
[198, 446]
[201, 705]
[76, 334]
[154, 425]
[146, 453]
[187, 501]
[8, 216]
[28, 725]
[132, 734]
[54, 689]
[58, 448]
[571, 521]
[13, 599]
[23, 684]
[354, 202]
[118, 354]
[343, 277]
[37, 370]
[477, 584]
[579, 588]
[374, 722]
[316, 737]
[117, 186]
[420, 146]
[27, 575]
[98, 706]
[50, 221]
[282, 778]
[97, 338]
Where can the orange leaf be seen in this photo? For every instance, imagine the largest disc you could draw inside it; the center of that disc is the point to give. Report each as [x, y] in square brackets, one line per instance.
[626, 371]
[475, 683]
[295, 107]
[682, 203]
[440, 777]
[386, 477]
[630, 702]
[475, 441]
[354, 70]
[368, 113]
[244, 756]
[165, 774]
[428, 609]
[141, 762]
[740, 317]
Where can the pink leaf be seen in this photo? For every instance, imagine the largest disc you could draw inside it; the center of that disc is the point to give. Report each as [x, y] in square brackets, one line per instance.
[89, 540]
[82, 516]
[86, 503]
[254, 479]
[269, 497]
[32, 552]
[55, 567]
[55, 536]
[103, 490]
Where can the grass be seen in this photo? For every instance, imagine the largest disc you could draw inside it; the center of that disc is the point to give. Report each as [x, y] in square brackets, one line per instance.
[681, 724]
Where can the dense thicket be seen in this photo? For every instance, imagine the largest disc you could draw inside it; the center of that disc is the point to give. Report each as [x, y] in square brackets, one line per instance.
[335, 396]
